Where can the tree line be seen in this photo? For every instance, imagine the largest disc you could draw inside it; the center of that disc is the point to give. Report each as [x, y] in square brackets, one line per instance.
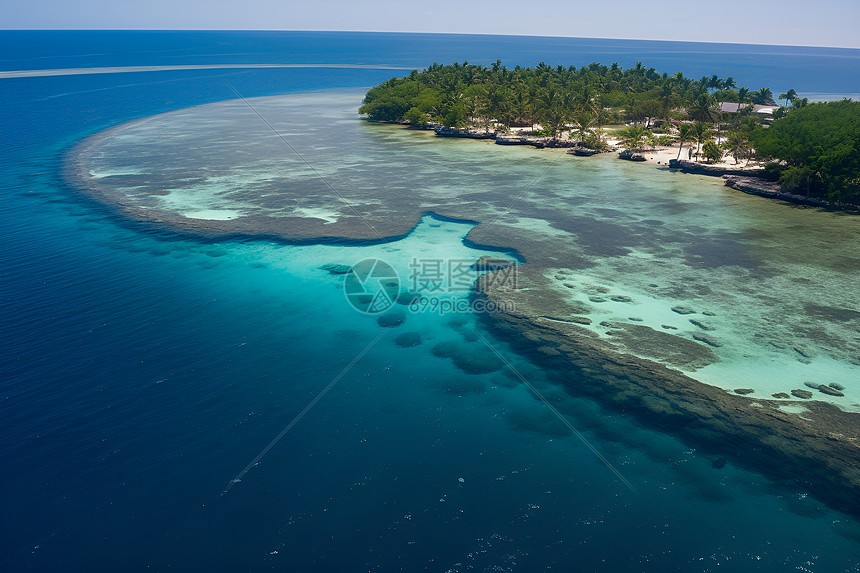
[815, 150]
[461, 95]
[552, 101]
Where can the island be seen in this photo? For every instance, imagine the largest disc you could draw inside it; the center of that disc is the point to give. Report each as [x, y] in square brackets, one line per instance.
[800, 151]
[709, 314]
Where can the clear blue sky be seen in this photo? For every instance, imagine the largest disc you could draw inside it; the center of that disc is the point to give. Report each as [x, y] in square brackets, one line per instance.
[793, 22]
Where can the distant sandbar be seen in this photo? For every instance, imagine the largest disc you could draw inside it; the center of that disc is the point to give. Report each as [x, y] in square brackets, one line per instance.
[131, 69]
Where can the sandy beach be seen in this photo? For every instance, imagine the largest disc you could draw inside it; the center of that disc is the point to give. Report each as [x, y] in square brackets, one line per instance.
[662, 154]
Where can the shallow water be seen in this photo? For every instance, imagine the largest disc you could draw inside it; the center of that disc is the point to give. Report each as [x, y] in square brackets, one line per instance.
[779, 301]
[143, 370]
[408, 460]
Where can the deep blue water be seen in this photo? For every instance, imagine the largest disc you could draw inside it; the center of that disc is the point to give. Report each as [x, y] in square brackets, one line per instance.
[141, 371]
[807, 70]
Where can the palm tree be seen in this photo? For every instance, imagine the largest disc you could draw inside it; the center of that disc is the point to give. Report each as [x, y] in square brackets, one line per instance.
[666, 98]
[552, 111]
[585, 95]
[522, 103]
[589, 137]
[788, 96]
[496, 104]
[738, 144]
[712, 152]
[554, 119]
[534, 103]
[763, 97]
[746, 125]
[632, 136]
[715, 83]
[583, 122]
[703, 110]
[730, 83]
[546, 99]
[601, 115]
[701, 132]
[685, 130]
[475, 100]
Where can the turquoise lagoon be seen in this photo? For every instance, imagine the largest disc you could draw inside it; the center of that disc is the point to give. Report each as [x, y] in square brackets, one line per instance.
[155, 343]
[766, 290]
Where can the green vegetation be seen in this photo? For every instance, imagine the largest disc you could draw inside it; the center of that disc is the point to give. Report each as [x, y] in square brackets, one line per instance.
[738, 145]
[635, 137]
[467, 95]
[701, 133]
[814, 149]
[712, 151]
[817, 150]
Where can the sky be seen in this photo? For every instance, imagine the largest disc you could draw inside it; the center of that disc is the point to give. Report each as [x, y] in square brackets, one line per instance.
[785, 22]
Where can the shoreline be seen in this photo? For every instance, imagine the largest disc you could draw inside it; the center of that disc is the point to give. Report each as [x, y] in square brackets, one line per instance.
[662, 395]
[745, 178]
[818, 451]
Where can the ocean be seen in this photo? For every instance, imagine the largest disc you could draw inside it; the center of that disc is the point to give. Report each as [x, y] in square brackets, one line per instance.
[146, 369]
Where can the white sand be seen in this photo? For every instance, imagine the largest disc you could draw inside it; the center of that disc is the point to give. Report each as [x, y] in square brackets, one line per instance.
[662, 155]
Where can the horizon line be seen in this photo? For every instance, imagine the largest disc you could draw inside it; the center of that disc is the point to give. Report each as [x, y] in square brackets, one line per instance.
[274, 30]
